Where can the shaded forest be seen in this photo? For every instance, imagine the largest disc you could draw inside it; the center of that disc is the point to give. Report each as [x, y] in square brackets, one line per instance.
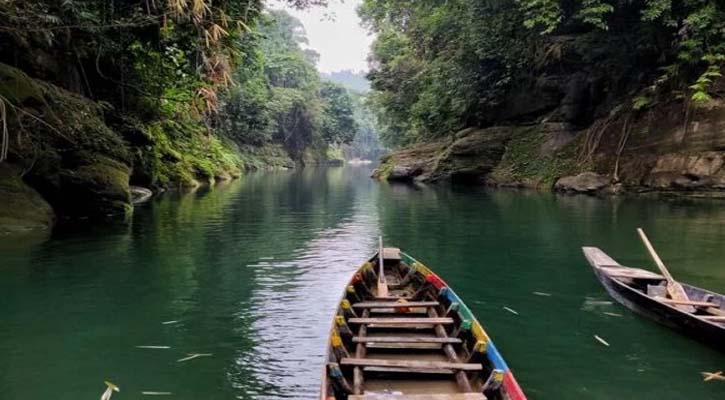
[99, 95]
[611, 95]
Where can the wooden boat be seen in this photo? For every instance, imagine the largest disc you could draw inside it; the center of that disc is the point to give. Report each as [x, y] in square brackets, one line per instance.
[400, 332]
[702, 317]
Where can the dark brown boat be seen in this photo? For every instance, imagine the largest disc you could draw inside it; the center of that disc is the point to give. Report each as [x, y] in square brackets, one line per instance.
[400, 332]
[702, 316]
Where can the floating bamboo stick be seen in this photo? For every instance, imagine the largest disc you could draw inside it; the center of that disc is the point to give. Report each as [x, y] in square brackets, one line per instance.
[193, 356]
[511, 310]
[600, 340]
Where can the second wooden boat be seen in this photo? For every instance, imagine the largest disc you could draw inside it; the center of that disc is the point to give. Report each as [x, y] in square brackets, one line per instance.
[645, 292]
[400, 332]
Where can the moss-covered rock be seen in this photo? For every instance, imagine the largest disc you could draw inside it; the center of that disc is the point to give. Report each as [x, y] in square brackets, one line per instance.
[99, 189]
[535, 157]
[60, 139]
[23, 209]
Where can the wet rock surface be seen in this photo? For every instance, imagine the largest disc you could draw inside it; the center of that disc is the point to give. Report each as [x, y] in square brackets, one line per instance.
[586, 182]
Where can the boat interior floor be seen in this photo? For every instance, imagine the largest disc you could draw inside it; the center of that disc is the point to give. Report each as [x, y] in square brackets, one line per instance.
[406, 353]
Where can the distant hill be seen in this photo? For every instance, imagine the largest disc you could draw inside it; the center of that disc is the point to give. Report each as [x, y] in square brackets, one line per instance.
[350, 79]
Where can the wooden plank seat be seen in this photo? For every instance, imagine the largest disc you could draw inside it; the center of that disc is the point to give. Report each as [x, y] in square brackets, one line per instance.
[409, 364]
[401, 321]
[395, 311]
[405, 339]
[431, 396]
[388, 304]
[391, 298]
[393, 370]
[403, 345]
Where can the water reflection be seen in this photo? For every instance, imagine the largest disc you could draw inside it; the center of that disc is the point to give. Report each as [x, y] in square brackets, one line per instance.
[252, 271]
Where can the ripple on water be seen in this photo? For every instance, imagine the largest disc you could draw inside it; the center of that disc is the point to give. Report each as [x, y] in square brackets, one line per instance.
[292, 307]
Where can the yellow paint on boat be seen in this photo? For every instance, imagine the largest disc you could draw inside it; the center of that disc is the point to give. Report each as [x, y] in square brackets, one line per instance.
[335, 339]
[425, 271]
[479, 333]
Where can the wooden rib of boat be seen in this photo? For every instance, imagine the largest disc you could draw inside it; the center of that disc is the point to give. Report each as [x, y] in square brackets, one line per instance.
[645, 292]
[400, 332]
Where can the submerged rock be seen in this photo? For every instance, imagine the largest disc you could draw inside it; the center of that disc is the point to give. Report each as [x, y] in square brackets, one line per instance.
[586, 182]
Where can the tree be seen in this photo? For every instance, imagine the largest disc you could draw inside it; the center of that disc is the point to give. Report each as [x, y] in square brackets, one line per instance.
[338, 125]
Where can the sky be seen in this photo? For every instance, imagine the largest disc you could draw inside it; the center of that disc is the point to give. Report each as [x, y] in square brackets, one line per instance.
[335, 32]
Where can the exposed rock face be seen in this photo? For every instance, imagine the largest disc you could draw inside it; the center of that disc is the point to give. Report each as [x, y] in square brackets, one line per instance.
[469, 156]
[688, 171]
[473, 155]
[653, 150]
[586, 182]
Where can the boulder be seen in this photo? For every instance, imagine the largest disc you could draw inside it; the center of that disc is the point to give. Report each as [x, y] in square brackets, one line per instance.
[23, 209]
[473, 155]
[96, 190]
[403, 173]
[586, 182]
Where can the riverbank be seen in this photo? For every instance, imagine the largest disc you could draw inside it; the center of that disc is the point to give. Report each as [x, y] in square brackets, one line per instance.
[672, 147]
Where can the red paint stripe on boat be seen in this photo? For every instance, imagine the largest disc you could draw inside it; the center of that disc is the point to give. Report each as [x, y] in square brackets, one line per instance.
[512, 387]
[435, 280]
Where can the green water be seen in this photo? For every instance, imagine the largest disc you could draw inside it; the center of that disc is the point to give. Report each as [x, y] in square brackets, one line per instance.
[252, 271]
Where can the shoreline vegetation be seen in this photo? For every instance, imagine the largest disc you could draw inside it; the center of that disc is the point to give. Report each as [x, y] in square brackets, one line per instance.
[587, 97]
[104, 101]
[102, 98]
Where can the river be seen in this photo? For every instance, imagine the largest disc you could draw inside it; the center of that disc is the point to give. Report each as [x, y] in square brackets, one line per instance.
[250, 272]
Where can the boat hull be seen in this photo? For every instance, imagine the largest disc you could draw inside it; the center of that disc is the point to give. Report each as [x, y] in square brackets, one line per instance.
[696, 328]
[367, 324]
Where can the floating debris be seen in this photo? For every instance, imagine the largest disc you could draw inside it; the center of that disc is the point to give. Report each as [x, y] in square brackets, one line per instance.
[709, 376]
[602, 341]
[193, 356]
[156, 393]
[512, 311]
[154, 347]
[611, 314]
[598, 302]
[542, 294]
[110, 388]
[591, 304]
[266, 258]
[169, 322]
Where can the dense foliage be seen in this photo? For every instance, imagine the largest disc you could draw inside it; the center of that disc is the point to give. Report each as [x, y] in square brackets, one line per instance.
[280, 97]
[439, 66]
[366, 145]
[160, 71]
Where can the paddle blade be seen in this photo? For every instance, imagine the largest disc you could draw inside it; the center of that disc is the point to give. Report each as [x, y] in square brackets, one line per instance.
[677, 292]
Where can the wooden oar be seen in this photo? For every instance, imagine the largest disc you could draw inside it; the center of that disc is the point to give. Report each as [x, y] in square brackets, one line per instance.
[382, 284]
[674, 288]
